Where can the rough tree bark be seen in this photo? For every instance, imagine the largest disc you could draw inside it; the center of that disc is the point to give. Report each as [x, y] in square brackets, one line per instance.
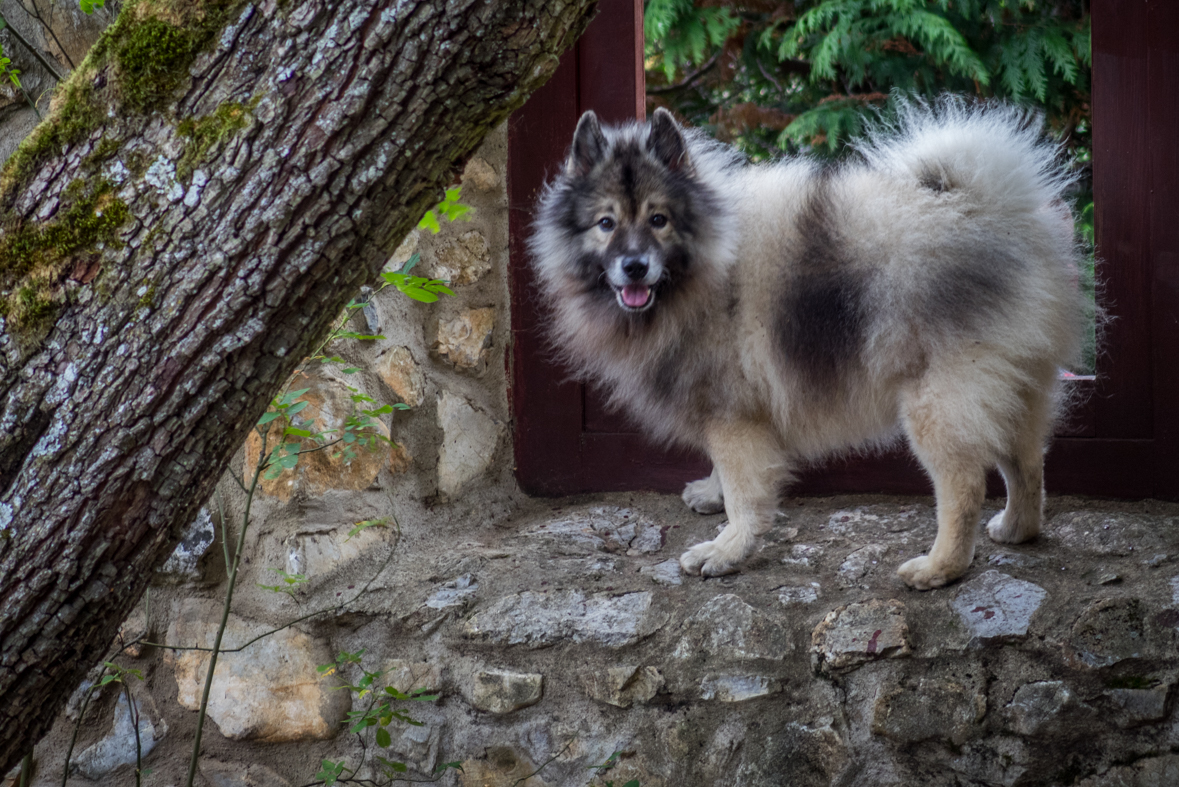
[216, 180]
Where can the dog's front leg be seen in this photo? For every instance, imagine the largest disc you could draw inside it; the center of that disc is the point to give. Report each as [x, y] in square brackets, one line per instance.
[751, 464]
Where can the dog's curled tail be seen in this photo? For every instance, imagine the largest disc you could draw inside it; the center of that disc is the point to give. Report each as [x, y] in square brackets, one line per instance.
[996, 153]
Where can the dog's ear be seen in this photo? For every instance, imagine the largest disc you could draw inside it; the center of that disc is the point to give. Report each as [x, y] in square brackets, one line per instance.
[589, 145]
[666, 141]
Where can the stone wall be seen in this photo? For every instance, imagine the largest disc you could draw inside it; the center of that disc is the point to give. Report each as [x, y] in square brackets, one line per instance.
[557, 633]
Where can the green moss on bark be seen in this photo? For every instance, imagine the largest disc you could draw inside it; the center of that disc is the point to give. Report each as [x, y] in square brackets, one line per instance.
[35, 258]
[137, 65]
[204, 134]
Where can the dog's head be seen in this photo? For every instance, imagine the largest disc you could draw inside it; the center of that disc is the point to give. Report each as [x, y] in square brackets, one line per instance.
[625, 221]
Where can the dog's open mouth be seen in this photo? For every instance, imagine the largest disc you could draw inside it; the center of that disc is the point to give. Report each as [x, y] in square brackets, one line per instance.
[635, 297]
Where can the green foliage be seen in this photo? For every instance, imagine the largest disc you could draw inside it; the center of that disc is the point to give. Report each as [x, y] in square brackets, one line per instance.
[781, 76]
[289, 582]
[89, 6]
[417, 287]
[449, 208]
[600, 770]
[360, 527]
[373, 721]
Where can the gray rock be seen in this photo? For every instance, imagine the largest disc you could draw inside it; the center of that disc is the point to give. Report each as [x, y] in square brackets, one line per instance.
[798, 596]
[499, 692]
[860, 563]
[804, 556]
[737, 688]
[455, 593]
[994, 606]
[1108, 632]
[932, 708]
[469, 440]
[728, 628]
[1106, 533]
[1152, 772]
[410, 676]
[226, 774]
[1134, 707]
[1046, 708]
[184, 562]
[598, 529]
[1013, 559]
[623, 686]
[542, 619]
[416, 745]
[666, 573]
[855, 634]
[118, 747]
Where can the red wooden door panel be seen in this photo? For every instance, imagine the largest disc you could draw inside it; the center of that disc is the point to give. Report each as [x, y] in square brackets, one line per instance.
[1124, 437]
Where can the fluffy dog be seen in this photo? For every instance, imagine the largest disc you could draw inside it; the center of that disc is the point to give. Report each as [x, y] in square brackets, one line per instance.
[775, 314]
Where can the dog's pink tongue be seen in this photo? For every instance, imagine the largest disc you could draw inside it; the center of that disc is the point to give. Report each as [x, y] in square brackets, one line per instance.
[636, 295]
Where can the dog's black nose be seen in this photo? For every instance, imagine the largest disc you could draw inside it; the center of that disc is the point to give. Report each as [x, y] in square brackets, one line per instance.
[634, 267]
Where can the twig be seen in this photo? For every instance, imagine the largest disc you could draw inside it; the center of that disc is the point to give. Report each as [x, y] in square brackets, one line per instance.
[544, 765]
[33, 50]
[36, 14]
[688, 80]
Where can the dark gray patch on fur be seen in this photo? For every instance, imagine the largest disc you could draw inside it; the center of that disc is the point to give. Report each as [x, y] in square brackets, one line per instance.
[934, 181]
[823, 315]
[977, 288]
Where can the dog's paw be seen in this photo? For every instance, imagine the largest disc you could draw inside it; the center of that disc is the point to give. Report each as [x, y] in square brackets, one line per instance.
[1004, 532]
[709, 560]
[704, 496]
[921, 573]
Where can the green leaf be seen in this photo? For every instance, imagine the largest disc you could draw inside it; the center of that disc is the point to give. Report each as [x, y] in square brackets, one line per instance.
[350, 370]
[291, 396]
[290, 430]
[298, 407]
[429, 222]
[383, 738]
[267, 417]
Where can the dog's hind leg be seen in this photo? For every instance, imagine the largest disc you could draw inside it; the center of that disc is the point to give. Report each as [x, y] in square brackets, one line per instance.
[705, 496]
[1023, 472]
[957, 462]
[750, 464]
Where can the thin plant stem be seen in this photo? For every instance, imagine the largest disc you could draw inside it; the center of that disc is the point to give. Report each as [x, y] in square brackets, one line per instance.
[33, 51]
[65, 771]
[26, 770]
[237, 555]
[133, 710]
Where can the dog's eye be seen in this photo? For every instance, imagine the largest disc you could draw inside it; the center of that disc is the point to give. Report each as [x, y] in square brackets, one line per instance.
[658, 221]
[606, 223]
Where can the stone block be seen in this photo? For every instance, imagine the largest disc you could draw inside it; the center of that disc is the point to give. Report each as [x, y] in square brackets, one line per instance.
[464, 260]
[410, 676]
[269, 692]
[1108, 632]
[227, 774]
[398, 370]
[499, 692]
[737, 688]
[184, 562]
[1135, 707]
[329, 405]
[930, 709]
[666, 573]
[464, 341]
[997, 607]
[1046, 708]
[726, 628]
[860, 563]
[469, 440]
[622, 686]
[855, 634]
[539, 620]
[480, 175]
[118, 746]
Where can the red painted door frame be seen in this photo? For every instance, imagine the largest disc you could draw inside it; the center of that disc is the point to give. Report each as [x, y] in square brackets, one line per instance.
[1123, 440]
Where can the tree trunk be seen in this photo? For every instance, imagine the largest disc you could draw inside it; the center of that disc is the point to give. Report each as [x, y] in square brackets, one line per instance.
[216, 181]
